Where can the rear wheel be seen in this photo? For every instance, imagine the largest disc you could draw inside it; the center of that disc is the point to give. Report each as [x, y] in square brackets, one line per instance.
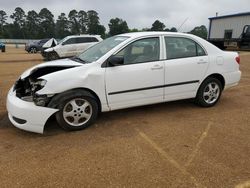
[76, 111]
[3, 49]
[209, 92]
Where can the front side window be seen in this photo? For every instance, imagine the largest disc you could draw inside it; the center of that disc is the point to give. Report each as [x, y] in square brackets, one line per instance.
[70, 41]
[143, 50]
[178, 47]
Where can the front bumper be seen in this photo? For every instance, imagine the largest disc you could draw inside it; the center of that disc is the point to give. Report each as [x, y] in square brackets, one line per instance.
[26, 115]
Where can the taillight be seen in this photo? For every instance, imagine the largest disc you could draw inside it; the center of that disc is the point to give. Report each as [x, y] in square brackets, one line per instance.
[237, 59]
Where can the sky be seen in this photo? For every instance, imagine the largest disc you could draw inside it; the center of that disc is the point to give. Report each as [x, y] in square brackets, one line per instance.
[139, 13]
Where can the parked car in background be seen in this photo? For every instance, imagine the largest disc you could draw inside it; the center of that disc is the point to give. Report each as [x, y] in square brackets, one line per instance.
[2, 47]
[123, 71]
[36, 46]
[49, 44]
[71, 46]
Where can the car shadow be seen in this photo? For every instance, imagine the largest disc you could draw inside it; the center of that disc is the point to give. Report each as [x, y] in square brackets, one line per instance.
[108, 119]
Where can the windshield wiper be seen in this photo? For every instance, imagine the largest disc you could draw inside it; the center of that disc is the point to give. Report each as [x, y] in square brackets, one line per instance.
[78, 59]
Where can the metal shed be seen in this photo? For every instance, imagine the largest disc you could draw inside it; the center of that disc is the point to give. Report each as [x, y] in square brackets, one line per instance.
[228, 30]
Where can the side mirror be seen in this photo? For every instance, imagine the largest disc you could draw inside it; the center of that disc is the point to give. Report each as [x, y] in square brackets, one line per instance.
[115, 61]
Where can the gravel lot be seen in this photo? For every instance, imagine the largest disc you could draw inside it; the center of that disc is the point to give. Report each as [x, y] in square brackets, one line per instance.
[174, 144]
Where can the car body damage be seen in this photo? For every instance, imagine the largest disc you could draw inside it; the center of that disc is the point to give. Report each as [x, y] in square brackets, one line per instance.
[30, 82]
[24, 93]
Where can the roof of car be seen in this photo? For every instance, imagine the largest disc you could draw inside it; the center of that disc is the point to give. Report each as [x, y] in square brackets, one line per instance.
[85, 35]
[150, 33]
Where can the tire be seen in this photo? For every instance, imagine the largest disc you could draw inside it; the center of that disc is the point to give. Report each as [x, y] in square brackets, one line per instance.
[53, 56]
[209, 92]
[77, 111]
[3, 49]
[33, 50]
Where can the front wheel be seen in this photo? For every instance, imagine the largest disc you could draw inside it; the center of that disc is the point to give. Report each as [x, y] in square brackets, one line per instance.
[209, 92]
[33, 50]
[77, 112]
[52, 56]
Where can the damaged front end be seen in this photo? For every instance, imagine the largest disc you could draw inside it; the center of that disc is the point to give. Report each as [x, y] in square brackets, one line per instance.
[26, 90]
[27, 87]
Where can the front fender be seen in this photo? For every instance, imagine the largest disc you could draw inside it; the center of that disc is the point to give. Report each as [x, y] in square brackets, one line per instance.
[89, 77]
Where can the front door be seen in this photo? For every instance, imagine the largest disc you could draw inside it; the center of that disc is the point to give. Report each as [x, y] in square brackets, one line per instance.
[68, 48]
[140, 79]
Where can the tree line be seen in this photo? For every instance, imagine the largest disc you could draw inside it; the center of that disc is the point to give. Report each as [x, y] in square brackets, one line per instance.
[42, 24]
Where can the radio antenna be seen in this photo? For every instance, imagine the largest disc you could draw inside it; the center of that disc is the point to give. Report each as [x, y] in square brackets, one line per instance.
[182, 24]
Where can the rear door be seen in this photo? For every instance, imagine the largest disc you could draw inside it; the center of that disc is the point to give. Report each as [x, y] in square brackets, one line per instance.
[185, 67]
[140, 79]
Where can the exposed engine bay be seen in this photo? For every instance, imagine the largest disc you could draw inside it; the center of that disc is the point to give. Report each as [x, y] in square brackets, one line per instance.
[26, 88]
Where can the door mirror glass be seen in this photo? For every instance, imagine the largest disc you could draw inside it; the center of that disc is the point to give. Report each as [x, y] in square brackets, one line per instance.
[116, 60]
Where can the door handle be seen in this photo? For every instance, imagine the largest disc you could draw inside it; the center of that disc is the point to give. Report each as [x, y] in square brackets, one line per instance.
[157, 67]
[202, 62]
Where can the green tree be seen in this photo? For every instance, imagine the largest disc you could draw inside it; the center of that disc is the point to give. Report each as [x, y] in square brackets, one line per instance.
[3, 18]
[73, 22]
[173, 29]
[82, 20]
[93, 23]
[19, 22]
[47, 24]
[32, 25]
[134, 30]
[146, 29]
[200, 31]
[158, 26]
[117, 26]
[62, 26]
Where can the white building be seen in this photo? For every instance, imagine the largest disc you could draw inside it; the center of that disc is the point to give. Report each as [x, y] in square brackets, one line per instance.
[230, 30]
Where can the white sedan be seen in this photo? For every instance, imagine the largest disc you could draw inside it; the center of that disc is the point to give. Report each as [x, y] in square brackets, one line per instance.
[123, 71]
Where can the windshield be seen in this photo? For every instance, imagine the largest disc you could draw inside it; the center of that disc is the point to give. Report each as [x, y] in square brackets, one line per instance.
[95, 52]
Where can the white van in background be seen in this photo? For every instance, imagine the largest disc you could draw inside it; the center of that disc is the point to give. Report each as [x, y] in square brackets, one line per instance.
[70, 46]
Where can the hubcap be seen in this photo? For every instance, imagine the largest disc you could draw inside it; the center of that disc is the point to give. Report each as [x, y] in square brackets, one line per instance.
[211, 93]
[33, 50]
[77, 112]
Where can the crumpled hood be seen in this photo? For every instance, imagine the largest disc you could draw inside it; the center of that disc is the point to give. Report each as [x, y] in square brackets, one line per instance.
[51, 66]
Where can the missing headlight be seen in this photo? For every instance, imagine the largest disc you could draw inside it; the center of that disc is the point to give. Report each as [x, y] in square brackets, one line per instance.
[41, 100]
[38, 85]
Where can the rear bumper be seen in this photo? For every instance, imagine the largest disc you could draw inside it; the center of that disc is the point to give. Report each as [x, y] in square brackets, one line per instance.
[26, 115]
[232, 79]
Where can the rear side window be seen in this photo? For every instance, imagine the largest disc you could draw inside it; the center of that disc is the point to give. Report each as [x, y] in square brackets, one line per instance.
[86, 39]
[178, 47]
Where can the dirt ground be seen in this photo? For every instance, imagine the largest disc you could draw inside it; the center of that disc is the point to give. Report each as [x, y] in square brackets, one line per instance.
[174, 144]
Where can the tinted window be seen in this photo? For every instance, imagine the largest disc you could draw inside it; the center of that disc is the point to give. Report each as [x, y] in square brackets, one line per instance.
[144, 50]
[86, 39]
[70, 41]
[182, 47]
